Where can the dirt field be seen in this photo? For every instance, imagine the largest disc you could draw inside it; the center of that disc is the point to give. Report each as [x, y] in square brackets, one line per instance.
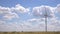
[29, 32]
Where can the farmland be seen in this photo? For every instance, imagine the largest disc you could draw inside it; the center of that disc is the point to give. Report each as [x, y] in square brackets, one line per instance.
[29, 32]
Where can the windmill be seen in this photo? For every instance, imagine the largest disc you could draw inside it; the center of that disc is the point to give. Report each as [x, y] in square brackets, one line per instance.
[44, 12]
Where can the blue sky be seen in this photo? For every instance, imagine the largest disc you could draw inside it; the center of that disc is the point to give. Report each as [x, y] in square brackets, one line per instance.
[29, 3]
[28, 15]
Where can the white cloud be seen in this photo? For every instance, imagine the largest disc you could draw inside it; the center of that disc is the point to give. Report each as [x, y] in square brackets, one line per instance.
[58, 8]
[20, 9]
[53, 24]
[5, 27]
[4, 10]
[31, 25]
[2, 22]
[24, 26]
[11, 16]
[34, 24]
[10, 13]
[7, 13]
[41, 11]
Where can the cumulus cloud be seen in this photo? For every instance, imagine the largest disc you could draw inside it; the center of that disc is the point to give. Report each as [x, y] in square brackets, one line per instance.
[27, 25]
[10, 13]
[20, 9]
[5, 27]
[53, 24]
[58, 8]
[43, 10]
[4, 10]
[10, 16]
[2, 22]
[31, 24]
[7, 13]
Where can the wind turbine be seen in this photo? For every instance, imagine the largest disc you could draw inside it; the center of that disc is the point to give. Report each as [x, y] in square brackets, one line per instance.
[45, 13]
